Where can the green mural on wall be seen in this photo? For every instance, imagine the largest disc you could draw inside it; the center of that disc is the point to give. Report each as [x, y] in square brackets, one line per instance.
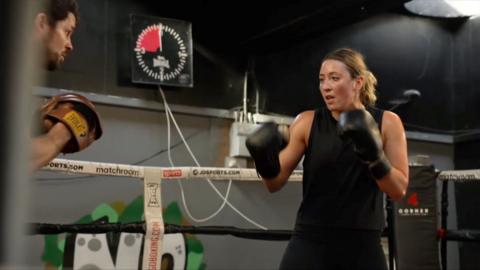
[121, 250]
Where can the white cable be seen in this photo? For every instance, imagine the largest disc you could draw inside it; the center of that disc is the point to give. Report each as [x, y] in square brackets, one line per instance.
[168, 113]
[189, 214]
[225, 201]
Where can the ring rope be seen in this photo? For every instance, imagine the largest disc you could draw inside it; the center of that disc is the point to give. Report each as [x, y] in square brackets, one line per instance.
[139, 227]
[214, 173]
[152, 177]
[167, 173]
[462, 235]
[461, 176]
[154, 227]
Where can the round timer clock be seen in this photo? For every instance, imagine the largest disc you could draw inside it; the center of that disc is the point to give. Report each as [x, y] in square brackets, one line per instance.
[162, 51]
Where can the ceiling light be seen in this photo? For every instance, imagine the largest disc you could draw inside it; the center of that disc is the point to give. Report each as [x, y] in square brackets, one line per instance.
[444, 8]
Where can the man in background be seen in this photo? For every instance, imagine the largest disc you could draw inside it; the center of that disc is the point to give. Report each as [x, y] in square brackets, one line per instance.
[70, 122]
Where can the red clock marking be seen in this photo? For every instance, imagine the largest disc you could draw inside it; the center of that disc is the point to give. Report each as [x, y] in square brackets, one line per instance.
[151, 39]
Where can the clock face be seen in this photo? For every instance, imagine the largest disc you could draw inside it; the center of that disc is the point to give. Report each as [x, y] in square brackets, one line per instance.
[162, 51]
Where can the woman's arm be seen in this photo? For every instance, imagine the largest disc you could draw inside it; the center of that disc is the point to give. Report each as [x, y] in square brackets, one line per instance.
[395, 183]
[290, 156]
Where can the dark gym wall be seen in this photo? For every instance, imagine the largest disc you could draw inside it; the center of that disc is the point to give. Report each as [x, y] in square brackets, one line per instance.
[466, 75]
[404, 52]
[102, 54]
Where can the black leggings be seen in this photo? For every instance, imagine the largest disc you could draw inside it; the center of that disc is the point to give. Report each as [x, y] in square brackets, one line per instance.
[350, 251]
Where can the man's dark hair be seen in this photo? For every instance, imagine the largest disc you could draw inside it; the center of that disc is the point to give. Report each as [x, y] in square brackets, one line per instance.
[57, 10]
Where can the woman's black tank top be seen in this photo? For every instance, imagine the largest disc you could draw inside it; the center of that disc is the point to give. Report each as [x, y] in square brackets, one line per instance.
[338, 191]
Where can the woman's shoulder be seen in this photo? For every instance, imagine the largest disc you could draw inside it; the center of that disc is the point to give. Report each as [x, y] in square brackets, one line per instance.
[390, 116]
[391, 122]
[305, 116]
[303, 121]
[387, 116]
[301, 126]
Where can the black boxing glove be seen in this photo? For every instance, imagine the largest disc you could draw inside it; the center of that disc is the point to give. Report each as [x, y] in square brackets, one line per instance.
[361, 128]
[264, 145]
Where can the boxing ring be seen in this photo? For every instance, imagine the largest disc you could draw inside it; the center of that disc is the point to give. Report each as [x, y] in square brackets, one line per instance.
[153, 227]
[445, 235]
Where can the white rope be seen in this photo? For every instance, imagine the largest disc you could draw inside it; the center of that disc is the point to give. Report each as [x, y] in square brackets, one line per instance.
[462, 176]
[94, 168]
[167, 173]
[213, 173]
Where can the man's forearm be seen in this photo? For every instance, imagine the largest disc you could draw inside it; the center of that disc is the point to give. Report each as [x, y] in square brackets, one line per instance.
[46, 147]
